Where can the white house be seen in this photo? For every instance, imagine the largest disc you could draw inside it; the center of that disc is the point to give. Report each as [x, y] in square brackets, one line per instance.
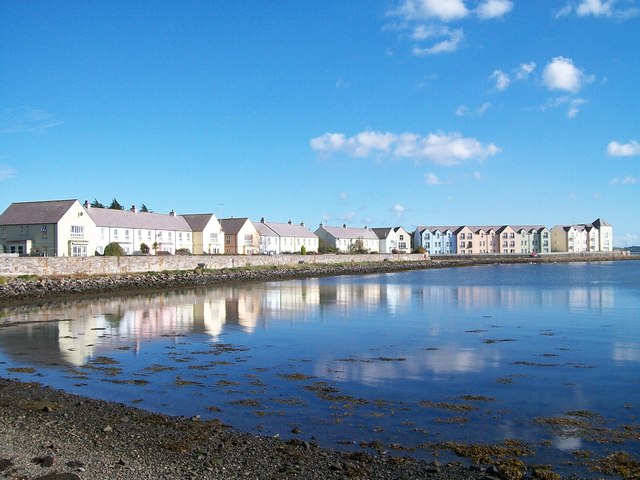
[55, 228]
[131, 229]
[393, 240]
[285, 237]
[344, 238]
[584, 237]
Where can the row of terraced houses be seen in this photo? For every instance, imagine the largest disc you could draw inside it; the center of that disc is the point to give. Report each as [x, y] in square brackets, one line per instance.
[69, 228]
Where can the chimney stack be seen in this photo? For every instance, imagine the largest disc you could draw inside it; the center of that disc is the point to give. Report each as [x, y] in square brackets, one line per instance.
[172, 213]
[134, 209]
[87, 204]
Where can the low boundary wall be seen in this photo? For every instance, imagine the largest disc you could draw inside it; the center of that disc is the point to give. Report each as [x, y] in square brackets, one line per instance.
[67, 266]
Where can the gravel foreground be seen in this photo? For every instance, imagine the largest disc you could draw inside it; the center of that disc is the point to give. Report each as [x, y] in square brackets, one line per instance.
[52, 435]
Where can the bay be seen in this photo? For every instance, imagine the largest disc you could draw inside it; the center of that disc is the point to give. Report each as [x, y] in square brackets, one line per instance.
[409, 364]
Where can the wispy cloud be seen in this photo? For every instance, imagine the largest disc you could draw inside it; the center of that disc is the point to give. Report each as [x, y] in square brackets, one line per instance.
[630, 149]
[502, 80]
[573, 104]
[6, 172]
[438, 148]
[425, 22]
[26, 120]
[599, 8]
[627, 180]
[464, 111]
[398, 210]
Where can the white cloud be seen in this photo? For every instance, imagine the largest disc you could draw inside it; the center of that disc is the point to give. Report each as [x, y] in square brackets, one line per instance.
[573, 104]
[628, 180]
[443, 10]
[561, 74]
[6, 172]
[449, 43]
[398, 210]
[524, 70]
[464, 111]
[432, 179]
[629, 149]
[598, 8]
[26, 120]
[439, 148]
[502, 80]
[494, 8]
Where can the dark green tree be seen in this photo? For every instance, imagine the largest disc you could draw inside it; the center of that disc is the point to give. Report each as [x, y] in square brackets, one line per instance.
[113, 250]
[143, 208]
[96, 203]
[115, 205]
[144, 248]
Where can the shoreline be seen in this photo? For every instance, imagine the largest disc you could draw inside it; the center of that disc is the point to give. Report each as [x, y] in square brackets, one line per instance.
[32, 289]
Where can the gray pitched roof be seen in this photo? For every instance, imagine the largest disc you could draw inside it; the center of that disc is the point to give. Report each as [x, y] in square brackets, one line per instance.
[198, 221]
[232, 226]
[350, 232]
[382, 233]
[264, 230]
[290, 230]
[107, 217]
[30, 213]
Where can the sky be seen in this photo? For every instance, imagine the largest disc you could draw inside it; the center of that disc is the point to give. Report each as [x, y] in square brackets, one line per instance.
[377, 113]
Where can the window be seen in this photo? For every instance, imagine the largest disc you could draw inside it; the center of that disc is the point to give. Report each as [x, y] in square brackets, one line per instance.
[115, 233]
[213, 237]
[78, 250]
[126, 234]
[4, 232]
[248, 239]
[159, 235]
[77, 231]
[401, 237]
[149, 234]
[139, 234]
[180, 236]
[170, 234]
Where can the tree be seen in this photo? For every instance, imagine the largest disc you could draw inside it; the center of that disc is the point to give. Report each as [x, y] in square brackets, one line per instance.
[303, 250]
[113, 250]
[96, 203]
[358, 247]
[144, 248]
[115, 205]
[144, 209]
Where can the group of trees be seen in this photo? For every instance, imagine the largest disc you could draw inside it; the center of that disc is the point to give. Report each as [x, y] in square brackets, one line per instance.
[115, 205]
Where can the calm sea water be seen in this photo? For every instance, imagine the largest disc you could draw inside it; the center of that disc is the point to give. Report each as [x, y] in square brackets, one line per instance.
[398, 363]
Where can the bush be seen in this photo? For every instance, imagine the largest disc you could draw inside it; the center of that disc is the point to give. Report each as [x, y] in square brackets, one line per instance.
[420, 250]
[113, 250]
[144, 248]
[303, 250]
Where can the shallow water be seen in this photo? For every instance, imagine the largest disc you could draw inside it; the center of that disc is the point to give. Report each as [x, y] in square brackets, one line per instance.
[546, 354]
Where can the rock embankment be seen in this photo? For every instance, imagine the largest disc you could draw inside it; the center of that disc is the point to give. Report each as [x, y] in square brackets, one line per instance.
[34, 289]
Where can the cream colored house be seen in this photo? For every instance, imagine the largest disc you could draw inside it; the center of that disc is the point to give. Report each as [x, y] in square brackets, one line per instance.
[584, 237]
[130, 228]
[207, 233]
[56, 228]
[345, 238]
[393, 240]
[240, 236]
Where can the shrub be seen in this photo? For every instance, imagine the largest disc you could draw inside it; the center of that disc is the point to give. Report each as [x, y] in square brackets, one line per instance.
[144, 248]
[113, 250]
[420, 250]
[303, 250]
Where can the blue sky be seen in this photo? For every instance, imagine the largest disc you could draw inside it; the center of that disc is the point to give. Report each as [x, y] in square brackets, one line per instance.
[378, 113]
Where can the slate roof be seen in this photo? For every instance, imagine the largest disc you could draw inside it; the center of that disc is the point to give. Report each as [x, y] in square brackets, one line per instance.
[264, 230]
[107, 217]
[231, 226]
[382, 233]
[289, 230]
[198, 221]
[30, 213]
[349, 232]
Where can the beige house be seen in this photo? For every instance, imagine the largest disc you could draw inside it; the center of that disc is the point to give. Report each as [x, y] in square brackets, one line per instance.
[344, 238]
[56, 228]
[240, 236]
[208, 236]
[130, 228]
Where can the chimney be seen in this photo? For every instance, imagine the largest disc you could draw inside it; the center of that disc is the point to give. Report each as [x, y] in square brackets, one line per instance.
[262, 220]
[87, 204]
[302, 224]
[172, 213]
[134, 209]
[344, 225]
[321, 225]
[289, 222]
